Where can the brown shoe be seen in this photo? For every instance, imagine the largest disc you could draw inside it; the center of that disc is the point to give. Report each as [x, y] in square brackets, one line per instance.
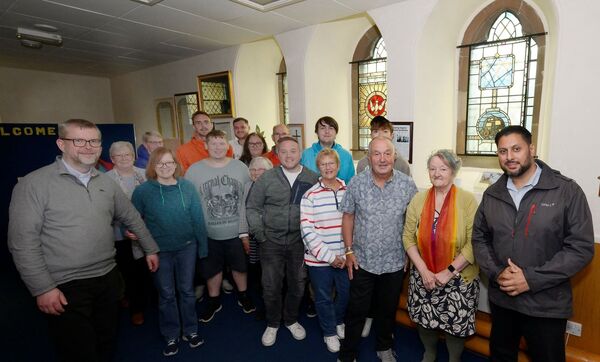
[137, 319]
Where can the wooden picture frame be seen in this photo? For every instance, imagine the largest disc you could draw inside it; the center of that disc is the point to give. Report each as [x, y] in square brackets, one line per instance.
[215, 93]
[403, 139]
[297, 131]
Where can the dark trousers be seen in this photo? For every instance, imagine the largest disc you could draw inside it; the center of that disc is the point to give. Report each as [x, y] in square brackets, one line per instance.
[135, 275]
[366, 288]
[87, 329]
[545, 337]
[279, 262]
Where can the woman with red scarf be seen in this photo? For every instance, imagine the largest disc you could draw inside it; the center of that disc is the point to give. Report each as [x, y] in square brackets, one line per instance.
[443, 287]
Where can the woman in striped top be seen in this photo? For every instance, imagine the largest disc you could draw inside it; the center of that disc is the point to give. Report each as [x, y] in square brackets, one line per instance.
[321, 226]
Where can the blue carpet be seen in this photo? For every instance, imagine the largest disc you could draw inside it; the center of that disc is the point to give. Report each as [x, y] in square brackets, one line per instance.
[230, 337]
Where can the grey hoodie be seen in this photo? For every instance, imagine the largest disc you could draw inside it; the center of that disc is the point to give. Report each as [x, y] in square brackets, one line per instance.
[59, 230]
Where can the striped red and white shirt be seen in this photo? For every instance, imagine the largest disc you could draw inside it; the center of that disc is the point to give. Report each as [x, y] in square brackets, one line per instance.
[321, 224]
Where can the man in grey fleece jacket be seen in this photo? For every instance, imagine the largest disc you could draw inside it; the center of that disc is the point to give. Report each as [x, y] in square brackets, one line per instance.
[273, 214]
[61, 239]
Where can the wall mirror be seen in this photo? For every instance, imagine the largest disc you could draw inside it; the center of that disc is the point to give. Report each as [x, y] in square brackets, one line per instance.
[185, 105]
[216, 94]
[165, 117]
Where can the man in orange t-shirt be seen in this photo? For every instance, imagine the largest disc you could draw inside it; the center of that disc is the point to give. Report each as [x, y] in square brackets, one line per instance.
[195, 150]
[280, 130]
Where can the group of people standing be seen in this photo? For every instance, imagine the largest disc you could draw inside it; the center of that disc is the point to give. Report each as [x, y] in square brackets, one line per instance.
[279, 215]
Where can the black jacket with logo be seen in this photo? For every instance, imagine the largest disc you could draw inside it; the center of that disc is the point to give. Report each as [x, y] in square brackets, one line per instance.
[550, 237]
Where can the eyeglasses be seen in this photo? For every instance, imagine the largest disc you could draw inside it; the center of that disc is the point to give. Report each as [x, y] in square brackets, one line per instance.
[80, 142]
[327, 164]
[124, 156]
[254, 144]
[165, 164]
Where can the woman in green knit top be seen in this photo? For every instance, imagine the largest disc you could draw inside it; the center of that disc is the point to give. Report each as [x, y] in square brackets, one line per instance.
[172, 211]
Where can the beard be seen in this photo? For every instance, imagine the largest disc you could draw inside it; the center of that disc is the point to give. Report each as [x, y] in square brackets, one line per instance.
[521, 170]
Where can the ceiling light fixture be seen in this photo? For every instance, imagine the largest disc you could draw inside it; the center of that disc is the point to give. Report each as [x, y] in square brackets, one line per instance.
[148, 2]
[266, 5]
[39, 36]
[31, 44]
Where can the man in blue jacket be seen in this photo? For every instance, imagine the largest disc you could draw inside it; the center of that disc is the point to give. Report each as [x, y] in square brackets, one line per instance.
[532, 232]
[326, 129]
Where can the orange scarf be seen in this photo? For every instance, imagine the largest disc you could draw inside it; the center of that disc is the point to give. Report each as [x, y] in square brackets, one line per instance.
[437, 247]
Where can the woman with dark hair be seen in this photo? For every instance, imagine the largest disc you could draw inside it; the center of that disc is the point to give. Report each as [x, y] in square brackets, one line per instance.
[254, 146]
[172, 211]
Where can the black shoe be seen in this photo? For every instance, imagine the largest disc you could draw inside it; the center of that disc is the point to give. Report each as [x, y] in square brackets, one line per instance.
[171, 348]
[212, 307]
[311, 312]
[194, 340]
[246, 303]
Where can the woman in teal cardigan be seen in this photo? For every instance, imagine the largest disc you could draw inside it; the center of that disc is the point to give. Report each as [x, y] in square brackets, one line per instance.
[172, 211]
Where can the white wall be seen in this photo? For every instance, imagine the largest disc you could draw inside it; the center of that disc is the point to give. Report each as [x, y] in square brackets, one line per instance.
[134, 93]
[256, 84]
[294, 45]
[575, 129]
[30, 96]
[328, 76]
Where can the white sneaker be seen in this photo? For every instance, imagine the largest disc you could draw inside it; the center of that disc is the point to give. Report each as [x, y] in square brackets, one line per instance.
[367, 327]
[341, 330]
[269, 337]
[333, 344]
[386, 356]
[199, 292]
[298, 332]
[227, 287]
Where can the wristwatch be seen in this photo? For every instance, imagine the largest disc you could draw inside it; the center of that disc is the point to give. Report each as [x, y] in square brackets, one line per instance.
[452, 269]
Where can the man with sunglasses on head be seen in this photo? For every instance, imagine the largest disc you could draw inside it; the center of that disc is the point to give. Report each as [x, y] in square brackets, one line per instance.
[61, 238]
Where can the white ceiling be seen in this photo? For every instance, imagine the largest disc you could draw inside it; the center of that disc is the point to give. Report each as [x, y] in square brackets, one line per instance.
[112, 37]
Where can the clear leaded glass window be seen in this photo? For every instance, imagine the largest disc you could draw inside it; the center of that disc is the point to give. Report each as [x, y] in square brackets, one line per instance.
[501, 87]
[372, 91]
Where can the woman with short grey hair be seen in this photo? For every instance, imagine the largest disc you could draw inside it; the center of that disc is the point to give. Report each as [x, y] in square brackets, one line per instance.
[443, 285]
[129, 255]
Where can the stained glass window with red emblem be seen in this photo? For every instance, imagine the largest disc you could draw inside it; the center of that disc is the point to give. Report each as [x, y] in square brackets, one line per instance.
[372, 91]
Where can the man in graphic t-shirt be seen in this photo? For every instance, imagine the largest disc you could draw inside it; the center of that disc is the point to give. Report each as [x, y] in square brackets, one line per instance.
[220, 181]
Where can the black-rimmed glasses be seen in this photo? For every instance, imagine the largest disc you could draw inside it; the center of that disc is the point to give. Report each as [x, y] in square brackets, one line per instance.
[80, 142]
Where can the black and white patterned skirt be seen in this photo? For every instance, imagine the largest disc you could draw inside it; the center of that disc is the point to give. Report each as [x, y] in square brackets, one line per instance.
[450, 308]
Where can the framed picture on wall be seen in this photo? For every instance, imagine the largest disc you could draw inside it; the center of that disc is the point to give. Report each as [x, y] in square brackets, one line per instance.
[403, 139]
[297, 131]
[225, 126]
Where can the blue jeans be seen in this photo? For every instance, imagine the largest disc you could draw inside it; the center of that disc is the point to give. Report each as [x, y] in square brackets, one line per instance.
[176, 274]
[331, 313]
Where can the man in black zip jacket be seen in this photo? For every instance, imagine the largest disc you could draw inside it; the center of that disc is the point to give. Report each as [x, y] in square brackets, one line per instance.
[532, 232]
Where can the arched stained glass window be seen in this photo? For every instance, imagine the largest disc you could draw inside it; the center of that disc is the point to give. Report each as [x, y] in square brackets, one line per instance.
[371, 87]
[501, 83]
